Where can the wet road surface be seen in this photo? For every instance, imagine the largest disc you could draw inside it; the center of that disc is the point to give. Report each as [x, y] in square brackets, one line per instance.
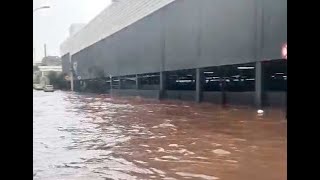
[90, 136]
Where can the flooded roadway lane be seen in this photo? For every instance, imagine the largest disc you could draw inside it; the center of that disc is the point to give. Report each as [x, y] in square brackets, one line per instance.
[88, 136]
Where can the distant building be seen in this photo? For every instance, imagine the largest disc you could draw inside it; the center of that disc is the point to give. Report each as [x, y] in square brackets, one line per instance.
[51, 61]
[37, 63]
[46, 69]
[74, 28]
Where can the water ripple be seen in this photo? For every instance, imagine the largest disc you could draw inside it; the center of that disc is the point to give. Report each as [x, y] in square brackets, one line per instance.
[90, 136]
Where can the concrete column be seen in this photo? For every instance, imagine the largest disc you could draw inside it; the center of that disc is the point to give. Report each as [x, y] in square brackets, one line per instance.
[110, 78]
[111, 85]
[71, 80]
[119, 82]
[71, 73]
[258, 85]
[137, 82]
[223, 85]
[162, 84]
[198, 85]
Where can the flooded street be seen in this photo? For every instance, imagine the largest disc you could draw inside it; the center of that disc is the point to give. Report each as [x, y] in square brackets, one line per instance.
[90, 136]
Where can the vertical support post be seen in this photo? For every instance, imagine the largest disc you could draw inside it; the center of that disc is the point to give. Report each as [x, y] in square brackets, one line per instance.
[258, 84]
[45, 50]
[223, 86]
[162, 73]
[198, 85]
[162, 84]
[137, 82]
[71, 73]
[199, 74]
[34, 55]
[111, 84]
[119, 82]
[259, 44]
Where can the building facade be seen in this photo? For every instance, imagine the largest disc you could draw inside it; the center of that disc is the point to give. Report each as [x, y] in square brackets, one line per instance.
[203, 50]
[76, 27]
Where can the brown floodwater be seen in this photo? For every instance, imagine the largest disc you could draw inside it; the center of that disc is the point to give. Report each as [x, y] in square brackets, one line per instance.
[92, 137]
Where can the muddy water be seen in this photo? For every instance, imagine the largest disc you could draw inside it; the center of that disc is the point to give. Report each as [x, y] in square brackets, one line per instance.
[87, 136]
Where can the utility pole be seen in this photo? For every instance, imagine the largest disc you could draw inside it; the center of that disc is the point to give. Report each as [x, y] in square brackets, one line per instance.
[45, 50]
[34, 10]
[34, 54]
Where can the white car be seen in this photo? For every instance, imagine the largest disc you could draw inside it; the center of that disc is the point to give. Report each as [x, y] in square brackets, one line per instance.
[48, 88]
[38, 87]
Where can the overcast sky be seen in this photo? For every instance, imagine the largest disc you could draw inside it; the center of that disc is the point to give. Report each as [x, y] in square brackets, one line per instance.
[51, 26]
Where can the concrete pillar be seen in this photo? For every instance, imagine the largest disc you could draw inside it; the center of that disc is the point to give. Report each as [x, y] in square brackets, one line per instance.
[71, 73]
[258, 85]
[198, 85]
[111, 85]
[119, 82]
[223, 85]
[162, 84]
[71, 80]
[137, 82]
[259, 43]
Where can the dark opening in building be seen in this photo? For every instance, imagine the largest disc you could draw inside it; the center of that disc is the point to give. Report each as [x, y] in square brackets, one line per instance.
[181, 80]
[128, 82]
[239, 77]
[275, 75]
[211, 79]
[115, 83]
[149, 81]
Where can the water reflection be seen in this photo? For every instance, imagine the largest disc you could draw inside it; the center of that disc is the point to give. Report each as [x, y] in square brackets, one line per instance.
[87, 136]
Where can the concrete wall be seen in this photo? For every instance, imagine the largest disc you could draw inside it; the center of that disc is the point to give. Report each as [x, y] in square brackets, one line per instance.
[209, 33]
[274, 28]
[180, 95]
[276, 99]
[65, 63]
[112, 19]
[240, 98]
[150, 87]
[127, 86]
[154, 94]
[233, 98]
[190, 34]
[212, 97]
[133, 50]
